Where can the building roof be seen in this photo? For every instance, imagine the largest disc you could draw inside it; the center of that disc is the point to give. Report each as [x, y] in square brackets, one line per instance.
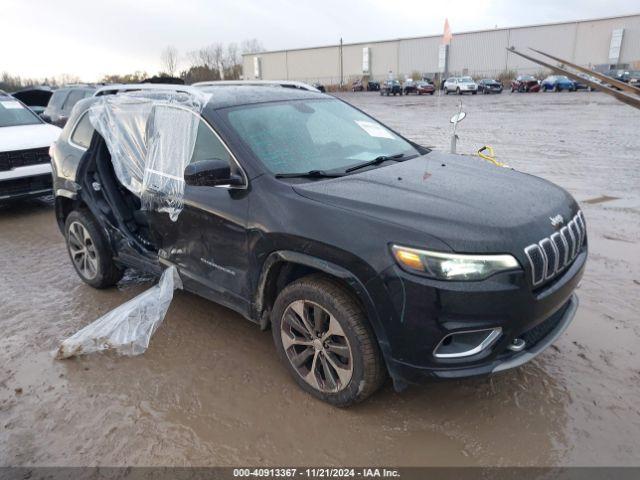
[567, 22]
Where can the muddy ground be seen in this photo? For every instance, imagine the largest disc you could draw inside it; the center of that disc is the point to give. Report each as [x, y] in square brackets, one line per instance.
[210, 390]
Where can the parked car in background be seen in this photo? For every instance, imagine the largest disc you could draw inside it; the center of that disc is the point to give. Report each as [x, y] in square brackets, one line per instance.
[632, 77]
[368, 275]
[579, 85]
[425, 87]
[373, 86]
[391, 87]
[357, 86]
[63, 100]
[460, 85]
[489, 85]
[525, 83]
[557, 83]
[25, 165]
[36, 98]
[585, 85]
[619, 74]
[409, 86]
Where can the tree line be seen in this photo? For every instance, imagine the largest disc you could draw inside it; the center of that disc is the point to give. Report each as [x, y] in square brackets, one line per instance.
[216, 61]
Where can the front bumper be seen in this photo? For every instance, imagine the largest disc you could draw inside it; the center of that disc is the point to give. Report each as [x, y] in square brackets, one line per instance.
[26, 182]
[427, 311]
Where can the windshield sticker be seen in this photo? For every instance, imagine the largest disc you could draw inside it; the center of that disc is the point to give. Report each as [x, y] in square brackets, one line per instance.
[11, 105]
[374, 130]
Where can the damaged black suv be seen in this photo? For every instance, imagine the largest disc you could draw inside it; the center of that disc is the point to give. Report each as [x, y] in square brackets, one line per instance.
[364, 252]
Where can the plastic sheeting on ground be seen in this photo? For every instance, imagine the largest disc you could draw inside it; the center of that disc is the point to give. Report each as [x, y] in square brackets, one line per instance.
[151, 135]
[128, 328]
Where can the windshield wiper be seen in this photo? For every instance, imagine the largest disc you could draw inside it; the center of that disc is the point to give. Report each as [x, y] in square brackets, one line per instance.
[310, 174]
[375, 161]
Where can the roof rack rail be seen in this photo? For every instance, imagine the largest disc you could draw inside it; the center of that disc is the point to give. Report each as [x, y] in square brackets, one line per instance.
[257, 83]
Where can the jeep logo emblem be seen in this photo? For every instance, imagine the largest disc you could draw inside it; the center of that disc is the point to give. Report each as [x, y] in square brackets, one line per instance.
[557, 220]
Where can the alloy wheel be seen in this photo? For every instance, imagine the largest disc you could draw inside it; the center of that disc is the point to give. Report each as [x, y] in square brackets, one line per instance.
[316, 346]
[83, 250]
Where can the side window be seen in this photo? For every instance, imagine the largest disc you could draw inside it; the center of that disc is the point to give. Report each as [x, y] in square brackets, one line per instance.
[74, 97]
[208, 146]
[83, 132]
[57, 99]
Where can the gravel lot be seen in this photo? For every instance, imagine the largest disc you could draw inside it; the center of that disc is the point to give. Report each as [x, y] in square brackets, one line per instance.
[210, 390]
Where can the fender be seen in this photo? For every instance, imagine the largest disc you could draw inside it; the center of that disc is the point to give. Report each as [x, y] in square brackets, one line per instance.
[282, 256]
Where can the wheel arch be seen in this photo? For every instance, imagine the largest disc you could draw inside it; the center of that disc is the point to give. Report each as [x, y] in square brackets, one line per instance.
[284, 266]
[64, 205]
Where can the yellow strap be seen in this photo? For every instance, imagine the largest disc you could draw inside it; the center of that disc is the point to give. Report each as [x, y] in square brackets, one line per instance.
[490, 156]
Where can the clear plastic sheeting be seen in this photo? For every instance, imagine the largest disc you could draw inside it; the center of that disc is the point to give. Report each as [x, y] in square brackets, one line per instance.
[127, 329]
[151, 137]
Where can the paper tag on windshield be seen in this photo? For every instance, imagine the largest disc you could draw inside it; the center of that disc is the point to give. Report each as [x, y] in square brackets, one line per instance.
[374, 129]
[11, 105]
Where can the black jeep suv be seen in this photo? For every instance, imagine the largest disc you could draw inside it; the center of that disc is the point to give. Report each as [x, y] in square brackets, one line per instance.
[365, 253]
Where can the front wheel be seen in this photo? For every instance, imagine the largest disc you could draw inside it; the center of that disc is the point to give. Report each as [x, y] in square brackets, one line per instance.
[89, 250]
[458, 91]
[322, 335]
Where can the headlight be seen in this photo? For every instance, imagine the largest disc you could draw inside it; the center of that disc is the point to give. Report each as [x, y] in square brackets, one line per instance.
[452, 266]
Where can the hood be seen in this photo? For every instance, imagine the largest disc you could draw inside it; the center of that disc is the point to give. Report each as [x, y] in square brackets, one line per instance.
[22, 137]
[468, 203]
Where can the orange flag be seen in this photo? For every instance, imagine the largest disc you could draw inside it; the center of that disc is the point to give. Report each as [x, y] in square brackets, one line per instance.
[446, 37]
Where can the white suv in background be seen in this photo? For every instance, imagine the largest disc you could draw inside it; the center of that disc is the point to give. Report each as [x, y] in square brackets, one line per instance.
[460, 85]
[25, 165]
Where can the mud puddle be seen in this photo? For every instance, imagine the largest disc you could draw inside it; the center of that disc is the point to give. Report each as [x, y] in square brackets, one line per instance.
[210, 390]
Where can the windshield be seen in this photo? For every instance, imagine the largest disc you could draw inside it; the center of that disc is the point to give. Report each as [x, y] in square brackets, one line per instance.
[466, 79]
[13, 113]
[305, 135]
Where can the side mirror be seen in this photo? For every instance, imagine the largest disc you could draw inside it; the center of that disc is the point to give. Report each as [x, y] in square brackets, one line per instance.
[210, 173]
[458, 117]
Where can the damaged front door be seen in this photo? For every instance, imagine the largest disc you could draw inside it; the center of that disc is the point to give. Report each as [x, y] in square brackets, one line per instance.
[208, 240]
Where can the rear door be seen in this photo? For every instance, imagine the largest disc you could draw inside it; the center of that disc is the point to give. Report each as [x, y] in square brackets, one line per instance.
[208, 241]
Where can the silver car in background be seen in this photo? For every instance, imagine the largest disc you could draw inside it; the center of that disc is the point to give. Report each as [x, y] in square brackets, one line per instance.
[460, 85]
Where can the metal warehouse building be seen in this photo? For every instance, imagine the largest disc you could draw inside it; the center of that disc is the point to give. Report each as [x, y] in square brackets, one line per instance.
[596, 43]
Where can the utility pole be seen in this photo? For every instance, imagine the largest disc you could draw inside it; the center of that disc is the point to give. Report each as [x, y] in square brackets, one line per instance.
[341, 65]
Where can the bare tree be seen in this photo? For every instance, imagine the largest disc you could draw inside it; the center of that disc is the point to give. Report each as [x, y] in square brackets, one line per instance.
[169, 60]
[252, 45]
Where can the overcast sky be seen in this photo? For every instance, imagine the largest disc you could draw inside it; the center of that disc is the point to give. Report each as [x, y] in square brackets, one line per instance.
[88, 39]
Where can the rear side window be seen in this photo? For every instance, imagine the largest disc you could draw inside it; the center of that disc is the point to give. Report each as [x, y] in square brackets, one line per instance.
[83, 132]
[74, 97]
[57, 99]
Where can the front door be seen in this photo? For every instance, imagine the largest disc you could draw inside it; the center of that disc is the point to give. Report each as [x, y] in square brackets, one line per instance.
[208, 240]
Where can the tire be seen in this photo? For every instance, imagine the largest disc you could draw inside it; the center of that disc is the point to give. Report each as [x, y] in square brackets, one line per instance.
[83, 232]
[556, 88]
[474, 93]
[446, 91]
[430, 93]
[458, 91]
[334, 302]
